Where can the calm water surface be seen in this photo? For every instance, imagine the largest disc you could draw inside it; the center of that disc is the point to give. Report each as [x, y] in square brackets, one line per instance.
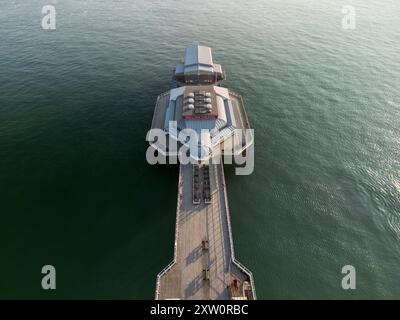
[75, 105]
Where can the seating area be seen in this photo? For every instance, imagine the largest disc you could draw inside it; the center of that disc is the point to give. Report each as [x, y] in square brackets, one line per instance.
[201, 184]
[241, 291]
[206, 274]
[206, 185]
[196, 185]
[204, 245]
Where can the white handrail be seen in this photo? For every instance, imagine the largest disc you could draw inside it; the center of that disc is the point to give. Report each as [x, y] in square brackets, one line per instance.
[157, 106]
[233, 259]
[172, 263]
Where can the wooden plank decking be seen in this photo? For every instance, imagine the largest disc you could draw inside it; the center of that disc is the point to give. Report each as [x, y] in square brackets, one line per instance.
[198, 272]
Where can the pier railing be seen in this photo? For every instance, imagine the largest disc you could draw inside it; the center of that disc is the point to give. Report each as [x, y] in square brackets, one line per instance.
[157, 106]
[233, 259]
[173, 262]
[242, 110]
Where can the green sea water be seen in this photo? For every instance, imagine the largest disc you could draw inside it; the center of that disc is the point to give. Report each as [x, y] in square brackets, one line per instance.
[76, 191]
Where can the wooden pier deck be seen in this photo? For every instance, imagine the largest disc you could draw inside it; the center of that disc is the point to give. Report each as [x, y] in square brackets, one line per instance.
[204, 266]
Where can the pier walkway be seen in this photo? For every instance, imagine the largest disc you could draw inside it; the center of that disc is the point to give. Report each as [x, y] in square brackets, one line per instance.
[204, 265]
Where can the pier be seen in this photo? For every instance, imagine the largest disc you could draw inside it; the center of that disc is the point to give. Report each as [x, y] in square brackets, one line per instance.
[204, 265]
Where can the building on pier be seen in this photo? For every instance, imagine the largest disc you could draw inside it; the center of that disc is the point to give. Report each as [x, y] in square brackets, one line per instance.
[204, 265]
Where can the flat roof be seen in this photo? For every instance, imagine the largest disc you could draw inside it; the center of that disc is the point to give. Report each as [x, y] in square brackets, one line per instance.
[196, 55]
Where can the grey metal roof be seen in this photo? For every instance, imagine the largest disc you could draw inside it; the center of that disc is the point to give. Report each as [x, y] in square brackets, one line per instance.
[198, 61]
[198, 55]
